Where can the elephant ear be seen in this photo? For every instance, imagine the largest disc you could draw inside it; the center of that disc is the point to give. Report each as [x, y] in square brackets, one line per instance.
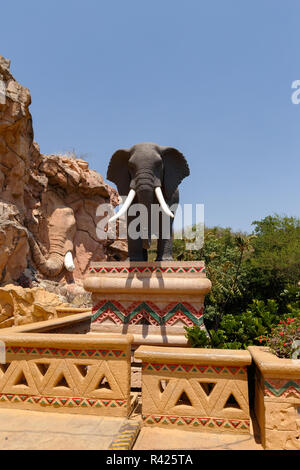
[118, 172]
[175, 169]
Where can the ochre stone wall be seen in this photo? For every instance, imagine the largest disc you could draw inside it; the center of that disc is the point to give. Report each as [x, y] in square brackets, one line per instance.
[277, 399]
[66, 373]
[196, 390]
[150, 300]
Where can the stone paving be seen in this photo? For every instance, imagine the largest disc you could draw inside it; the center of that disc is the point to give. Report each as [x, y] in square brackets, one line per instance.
[163, 439]
[154, 438]
[35, 430]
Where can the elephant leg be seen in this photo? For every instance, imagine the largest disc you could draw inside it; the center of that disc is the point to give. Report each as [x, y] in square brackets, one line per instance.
[165, 239]
[164, 250]
[136, 252]
[165, 245]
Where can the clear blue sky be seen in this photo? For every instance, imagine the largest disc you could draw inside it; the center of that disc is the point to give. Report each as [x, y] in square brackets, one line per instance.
[212, 78]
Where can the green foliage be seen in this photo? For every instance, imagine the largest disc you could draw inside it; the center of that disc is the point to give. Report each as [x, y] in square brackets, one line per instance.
[244, 267]
[275, 261]
[223, 253]
[246, 272]
[281, 340]
[240, 330]
[197, 337]
[290, 298]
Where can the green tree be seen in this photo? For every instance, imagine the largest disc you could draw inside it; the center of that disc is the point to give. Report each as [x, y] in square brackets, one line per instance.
[223, 253]
[275, 260]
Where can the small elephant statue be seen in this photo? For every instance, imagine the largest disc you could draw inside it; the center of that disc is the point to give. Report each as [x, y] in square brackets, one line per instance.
[149, 174]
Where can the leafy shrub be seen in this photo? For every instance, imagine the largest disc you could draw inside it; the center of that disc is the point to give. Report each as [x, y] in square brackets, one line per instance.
[290, 298]
[236, 331]
[281, 339]
[263, 265]
[224, 253]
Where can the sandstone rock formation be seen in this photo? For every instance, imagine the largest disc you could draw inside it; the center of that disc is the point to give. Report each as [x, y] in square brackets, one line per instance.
[20, 306]
[47, 203]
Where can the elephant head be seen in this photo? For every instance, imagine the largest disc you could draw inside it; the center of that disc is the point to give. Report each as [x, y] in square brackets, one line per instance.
[61, 231]
[148, 173]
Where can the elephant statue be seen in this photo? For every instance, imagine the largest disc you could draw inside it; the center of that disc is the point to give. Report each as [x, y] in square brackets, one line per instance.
[61, 231]
[149, 174]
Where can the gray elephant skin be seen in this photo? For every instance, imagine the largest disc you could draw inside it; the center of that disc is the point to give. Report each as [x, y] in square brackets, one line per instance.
[149, 174]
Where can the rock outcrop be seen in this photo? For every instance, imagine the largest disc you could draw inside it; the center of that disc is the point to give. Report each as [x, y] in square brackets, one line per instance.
[48, 203]
[20, 306]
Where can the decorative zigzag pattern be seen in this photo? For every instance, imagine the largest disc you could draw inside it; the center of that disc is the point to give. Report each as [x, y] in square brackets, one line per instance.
[282, 388]
[68, 353]
[97, 379]
[66, 402]
[190, 368]
[199, 422]
[146, 269]
[149, 311]
[198, 396]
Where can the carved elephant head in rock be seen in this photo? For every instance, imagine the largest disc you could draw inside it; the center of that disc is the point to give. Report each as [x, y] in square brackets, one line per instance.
[148, 174]
[61, 232]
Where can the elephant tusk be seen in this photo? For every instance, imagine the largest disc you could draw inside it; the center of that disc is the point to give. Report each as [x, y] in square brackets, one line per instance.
[68, 262]
[163, 203]
[125, 206]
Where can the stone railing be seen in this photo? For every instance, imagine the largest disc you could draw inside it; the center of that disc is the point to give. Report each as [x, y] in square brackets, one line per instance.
[277, 399]
[66, 373]
[75, 323]
[195, 389]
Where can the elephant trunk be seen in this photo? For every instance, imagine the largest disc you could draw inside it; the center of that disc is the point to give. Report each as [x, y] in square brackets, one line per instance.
[52, 266]
[146, 225]
[144, 184]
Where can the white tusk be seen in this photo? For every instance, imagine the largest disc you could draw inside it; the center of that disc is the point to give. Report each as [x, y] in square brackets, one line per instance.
[125, 206]
[68, 262]
[162, 202]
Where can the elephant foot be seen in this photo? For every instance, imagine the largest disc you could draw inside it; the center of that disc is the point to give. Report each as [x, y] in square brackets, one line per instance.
[137, 258]
[164, 258]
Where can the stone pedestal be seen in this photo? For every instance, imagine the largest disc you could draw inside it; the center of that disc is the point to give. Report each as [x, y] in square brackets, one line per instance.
[152, 301]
